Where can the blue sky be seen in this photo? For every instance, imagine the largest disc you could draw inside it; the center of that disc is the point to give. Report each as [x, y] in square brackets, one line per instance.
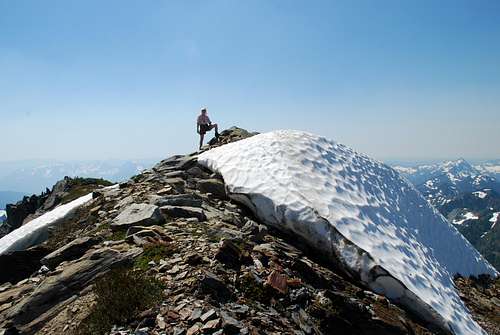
[126, 79]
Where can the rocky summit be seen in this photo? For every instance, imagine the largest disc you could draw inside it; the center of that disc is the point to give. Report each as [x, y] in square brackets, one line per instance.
[168, 252]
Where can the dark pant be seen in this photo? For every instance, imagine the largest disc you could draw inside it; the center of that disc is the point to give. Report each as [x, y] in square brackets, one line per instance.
[206, 127]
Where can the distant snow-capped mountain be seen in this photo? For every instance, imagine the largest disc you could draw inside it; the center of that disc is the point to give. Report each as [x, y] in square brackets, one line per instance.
[476, 215]
[34, 176]
[3, 215]
[441, 183]
[491, 168]
[468, 196]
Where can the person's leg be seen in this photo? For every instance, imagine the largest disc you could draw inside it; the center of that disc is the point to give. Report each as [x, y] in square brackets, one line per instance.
[202, 135]
[216, 130]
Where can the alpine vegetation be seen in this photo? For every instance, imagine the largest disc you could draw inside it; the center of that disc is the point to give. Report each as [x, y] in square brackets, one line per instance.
[358, 212]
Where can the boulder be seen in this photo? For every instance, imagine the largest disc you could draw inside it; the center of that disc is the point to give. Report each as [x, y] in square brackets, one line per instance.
[137, 215]
[214, 186]
[73, 250]
[183, 212]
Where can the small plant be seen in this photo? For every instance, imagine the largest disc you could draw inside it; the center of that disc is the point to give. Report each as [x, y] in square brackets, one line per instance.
[254, 290]
[153, 252]
[118, 235]
[120, 296]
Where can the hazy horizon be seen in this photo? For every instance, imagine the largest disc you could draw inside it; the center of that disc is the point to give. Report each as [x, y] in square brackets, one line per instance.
[96, 80]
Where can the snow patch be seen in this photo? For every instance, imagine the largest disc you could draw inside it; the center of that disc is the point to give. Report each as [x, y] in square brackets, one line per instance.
[357, 211]
[480, 194]
[494, 219]
[465, 217]
[36, 230]
[407, 170]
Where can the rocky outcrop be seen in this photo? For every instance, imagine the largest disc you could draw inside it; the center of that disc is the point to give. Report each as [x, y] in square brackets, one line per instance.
[62, 192]
[17, 213]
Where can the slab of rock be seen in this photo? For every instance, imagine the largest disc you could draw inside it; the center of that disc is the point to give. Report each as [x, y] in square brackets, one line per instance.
[214, 186]
[137, 215]
[73, 250]
[29, 314]
[190, 200]
[183, 212]
[175, 174]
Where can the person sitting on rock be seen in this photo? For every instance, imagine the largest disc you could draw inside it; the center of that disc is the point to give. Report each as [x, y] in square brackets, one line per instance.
[204, 124]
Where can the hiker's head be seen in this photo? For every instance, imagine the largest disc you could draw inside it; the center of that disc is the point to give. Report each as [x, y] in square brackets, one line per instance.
[203, 111]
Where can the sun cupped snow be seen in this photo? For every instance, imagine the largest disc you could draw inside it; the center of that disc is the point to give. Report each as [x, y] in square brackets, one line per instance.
[358, 211]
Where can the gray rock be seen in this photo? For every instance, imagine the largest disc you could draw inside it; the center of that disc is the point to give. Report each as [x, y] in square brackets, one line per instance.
[179, 331]
[183, 212]
[214, 186]
[230, 324]
[197, 172]
[73, 250]
[175, 174]
[143, 230]
[195, 314]
[190, 200]
[255, 231]
[211, 314]
[176, 163]
[137, 214]
[125, 202]
[177, 183]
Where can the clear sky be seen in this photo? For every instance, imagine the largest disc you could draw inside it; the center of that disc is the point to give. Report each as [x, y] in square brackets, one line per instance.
[126, 79]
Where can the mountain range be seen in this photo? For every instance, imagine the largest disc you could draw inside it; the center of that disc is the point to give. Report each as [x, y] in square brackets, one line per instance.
[30, 177]
[468, 196]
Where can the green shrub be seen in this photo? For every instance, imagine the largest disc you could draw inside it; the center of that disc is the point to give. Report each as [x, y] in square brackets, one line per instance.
[118, 235]
[79, 187]
[153, 252]
[120, 296]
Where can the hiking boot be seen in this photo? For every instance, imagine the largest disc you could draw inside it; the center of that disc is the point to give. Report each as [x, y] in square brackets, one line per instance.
[216, 135]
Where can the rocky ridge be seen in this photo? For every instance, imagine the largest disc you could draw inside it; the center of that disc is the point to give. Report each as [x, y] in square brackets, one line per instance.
[220, 270]
[33, 206]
